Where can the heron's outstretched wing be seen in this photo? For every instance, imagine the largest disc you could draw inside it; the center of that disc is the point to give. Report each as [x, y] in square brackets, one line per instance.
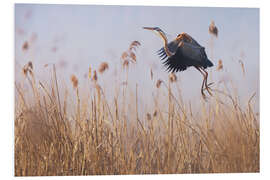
[175, 62]
[185, 54]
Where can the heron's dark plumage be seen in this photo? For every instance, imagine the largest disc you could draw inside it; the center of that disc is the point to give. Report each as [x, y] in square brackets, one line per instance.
[179, 61]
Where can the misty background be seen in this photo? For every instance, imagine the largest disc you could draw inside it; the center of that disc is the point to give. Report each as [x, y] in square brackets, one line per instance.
[75, 37]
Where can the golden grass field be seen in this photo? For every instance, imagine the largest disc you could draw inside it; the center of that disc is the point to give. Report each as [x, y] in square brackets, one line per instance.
[58, 134]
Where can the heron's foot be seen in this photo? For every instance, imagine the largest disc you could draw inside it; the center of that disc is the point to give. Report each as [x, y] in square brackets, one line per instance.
[203, 94]
[210, 84]
[209, 89]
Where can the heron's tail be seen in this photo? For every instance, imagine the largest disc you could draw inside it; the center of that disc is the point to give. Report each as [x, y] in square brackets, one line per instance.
[209, 63]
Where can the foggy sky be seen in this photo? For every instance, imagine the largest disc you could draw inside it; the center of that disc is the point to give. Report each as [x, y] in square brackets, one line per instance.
[83, 35]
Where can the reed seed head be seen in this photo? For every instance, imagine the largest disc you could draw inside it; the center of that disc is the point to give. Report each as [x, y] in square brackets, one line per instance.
[213, 29]
[220, 65]
[155, 113]
[125, 63]
[242, 66]
[158, 83]
[74, 81]
[25, 71]
[103, 67]
[129, 55]
[172, 77]
[133, 56]
[30, 65]
[134, 44]
[28, 68]
[148, 116]
[124, 55]
[25, 46]
[95, 77]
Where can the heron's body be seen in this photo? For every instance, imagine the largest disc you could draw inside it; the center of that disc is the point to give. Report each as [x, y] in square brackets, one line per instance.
[185, 56]
[183, 52]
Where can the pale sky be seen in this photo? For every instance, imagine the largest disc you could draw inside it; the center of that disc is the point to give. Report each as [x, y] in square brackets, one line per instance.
[83, 35]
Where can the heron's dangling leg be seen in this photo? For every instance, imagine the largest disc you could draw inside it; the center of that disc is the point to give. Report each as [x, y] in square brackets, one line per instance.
[204, 96]
[206, 85]
[203, 83]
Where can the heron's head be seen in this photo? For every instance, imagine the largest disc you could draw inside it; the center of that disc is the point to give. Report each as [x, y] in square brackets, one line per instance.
[157, 30]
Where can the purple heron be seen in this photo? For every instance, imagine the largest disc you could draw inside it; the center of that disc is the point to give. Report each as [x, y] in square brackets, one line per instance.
[184, 52]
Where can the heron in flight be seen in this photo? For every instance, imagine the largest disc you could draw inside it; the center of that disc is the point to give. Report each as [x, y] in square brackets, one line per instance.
[182, 53]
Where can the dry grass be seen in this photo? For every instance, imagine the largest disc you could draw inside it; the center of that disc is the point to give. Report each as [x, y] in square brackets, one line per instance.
[99, 135]
[129, 55]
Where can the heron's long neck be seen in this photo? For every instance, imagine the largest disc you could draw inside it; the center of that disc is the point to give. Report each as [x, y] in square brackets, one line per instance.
[165, 44]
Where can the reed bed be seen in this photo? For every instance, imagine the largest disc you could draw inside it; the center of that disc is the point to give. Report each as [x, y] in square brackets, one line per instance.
[96, 135]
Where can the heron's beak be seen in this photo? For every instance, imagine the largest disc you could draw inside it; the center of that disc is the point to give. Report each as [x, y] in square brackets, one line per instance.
[149, 28]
